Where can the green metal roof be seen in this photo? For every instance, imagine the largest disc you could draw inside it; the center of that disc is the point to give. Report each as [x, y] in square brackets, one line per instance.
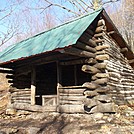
[58, 37]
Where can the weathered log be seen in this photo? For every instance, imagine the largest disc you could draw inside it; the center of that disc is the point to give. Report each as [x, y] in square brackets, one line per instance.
[74, 62]
[104, 108]
[99, 35]
[90, 93]
[21, 101]
[78, 52]
[102, 57]
[91, 61]
[90, 69]
[85, 47]
[100, 65]
[10, 76]
[91, 43]
[103, 98]
[35, 108]
[68, 94]
[102, 75]
[89, 31]
[100, 29]
[64, 102]
[102, 47]
[71, 109]
[114, 74]
[101, 52]
[101, 81]
[73, 98]
[21, 93]
[18, 90]
[101, 22]
[101, 89]
[90, 85]
[8, 71]
[131, 61]
[120, 85]
[71, 91]
[91, 102]
[123, 50]
[99, 40]
[21, 98]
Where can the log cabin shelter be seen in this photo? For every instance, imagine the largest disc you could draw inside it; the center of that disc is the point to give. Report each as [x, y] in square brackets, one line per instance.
[81, 66]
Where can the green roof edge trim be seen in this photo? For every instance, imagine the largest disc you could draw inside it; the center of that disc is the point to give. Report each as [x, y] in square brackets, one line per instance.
[58, 37]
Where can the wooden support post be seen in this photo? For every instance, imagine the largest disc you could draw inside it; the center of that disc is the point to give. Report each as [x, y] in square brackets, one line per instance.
[75, 74]
[33, 85]
[58, 83]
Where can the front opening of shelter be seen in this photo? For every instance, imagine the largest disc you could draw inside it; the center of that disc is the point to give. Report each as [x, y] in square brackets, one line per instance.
[46, 84]
[53, 78]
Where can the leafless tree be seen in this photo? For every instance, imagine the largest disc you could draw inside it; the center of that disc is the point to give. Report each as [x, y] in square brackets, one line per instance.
[79, 6]
[124, 20]
[8, 25]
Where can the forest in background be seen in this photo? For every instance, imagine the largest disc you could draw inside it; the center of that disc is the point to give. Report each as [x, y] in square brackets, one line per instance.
[20, 19]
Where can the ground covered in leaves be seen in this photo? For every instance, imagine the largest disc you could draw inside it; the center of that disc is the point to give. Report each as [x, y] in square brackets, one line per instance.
[55, 123]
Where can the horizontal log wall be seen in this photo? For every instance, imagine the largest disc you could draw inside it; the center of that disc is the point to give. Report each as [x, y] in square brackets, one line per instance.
[96, 97]
[20, 95]
[121, 74]
[71, 99]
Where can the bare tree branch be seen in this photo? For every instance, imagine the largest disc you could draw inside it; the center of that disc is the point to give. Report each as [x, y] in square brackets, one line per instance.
[109, 1]
[63, 7]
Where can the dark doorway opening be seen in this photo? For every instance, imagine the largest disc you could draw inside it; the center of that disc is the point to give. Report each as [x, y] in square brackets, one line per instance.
[46, 81]
[72, 75]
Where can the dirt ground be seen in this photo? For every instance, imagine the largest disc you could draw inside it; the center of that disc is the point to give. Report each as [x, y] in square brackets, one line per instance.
[55, 123]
